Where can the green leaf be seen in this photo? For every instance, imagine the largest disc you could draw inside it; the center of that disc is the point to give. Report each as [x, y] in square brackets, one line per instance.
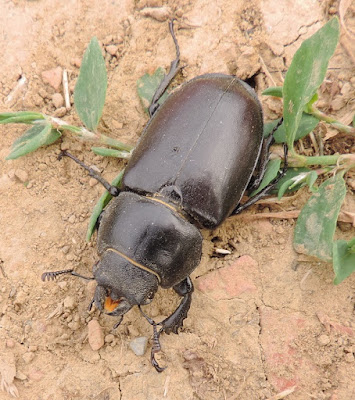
[307, 125]
[100, 205]
[311, 178]
[275, 91]
[24, 117]
[105, 152]
[289, 182]
[147, 85]
[35, 137]
[343, 259]
[90, 89]
[271, 172]
[306, 73]
[316, 223]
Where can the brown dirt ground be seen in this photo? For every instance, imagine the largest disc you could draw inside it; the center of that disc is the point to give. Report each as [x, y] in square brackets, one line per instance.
[295, 331]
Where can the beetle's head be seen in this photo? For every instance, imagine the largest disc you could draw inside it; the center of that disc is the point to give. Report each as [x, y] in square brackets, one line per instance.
[121, 285]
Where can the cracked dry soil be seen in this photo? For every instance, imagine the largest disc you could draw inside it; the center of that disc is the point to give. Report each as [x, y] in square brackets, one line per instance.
[263, 321]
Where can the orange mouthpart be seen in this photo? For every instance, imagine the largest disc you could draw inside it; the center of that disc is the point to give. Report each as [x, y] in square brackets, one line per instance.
[110, 304]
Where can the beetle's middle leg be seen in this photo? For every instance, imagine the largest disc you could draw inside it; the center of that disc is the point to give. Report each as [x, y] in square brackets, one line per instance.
[174, 69]
[113, 190]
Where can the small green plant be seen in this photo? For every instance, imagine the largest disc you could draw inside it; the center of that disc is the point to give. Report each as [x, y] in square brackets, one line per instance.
[89, 99]
[316, 224]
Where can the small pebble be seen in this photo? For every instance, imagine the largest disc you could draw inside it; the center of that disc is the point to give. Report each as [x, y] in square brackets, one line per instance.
[69, 257]
[65, 249]
[109, 338]
[139, 345]
[21, 175]
[95, 335]
[28, 357]
[20, 376]
[349, 357]
[11, 174]
[93, 182]
[69, 303]
[10, 343]
[58, 100]
[160, 14]
[53, 77]
[112, 49]
[21, 297]
[43, 93]
[74, 326]
[323, 340]
[279, 229]
[36, 375]
[71, 219]
[90, 288]
[60, 112]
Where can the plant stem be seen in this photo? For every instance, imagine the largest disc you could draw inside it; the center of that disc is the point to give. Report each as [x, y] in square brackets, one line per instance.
[85, 134]
[344, 161]
[332, 121]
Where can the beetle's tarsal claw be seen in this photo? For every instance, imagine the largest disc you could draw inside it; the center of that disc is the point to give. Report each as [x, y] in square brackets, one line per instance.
[156, 347]
[91, 304]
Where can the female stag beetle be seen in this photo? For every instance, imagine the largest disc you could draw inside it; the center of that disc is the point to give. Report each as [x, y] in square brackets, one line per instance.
[197, 156]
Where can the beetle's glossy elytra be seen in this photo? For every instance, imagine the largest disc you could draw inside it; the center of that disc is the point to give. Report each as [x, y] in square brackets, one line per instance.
[200, 148]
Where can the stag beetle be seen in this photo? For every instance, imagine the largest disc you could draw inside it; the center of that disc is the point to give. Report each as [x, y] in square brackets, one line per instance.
[199, 153]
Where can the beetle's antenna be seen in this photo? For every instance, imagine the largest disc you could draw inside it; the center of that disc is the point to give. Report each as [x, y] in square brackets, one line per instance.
[52, 275]
[156, 347]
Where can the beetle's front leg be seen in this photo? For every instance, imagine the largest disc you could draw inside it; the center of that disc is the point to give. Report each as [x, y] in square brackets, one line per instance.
[175, 320]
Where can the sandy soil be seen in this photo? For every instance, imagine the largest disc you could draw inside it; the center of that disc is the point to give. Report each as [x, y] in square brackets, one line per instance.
[263, 321]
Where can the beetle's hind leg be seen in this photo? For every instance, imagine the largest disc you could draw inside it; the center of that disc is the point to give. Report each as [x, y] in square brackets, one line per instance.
[174, 69]
[113, 190]
[264, 158]
[266, 190]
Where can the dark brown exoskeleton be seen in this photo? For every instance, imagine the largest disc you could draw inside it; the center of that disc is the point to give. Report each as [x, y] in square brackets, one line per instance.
[196, 158]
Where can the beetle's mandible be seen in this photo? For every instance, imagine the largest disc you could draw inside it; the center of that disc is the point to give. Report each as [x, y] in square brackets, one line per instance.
[199, 153]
